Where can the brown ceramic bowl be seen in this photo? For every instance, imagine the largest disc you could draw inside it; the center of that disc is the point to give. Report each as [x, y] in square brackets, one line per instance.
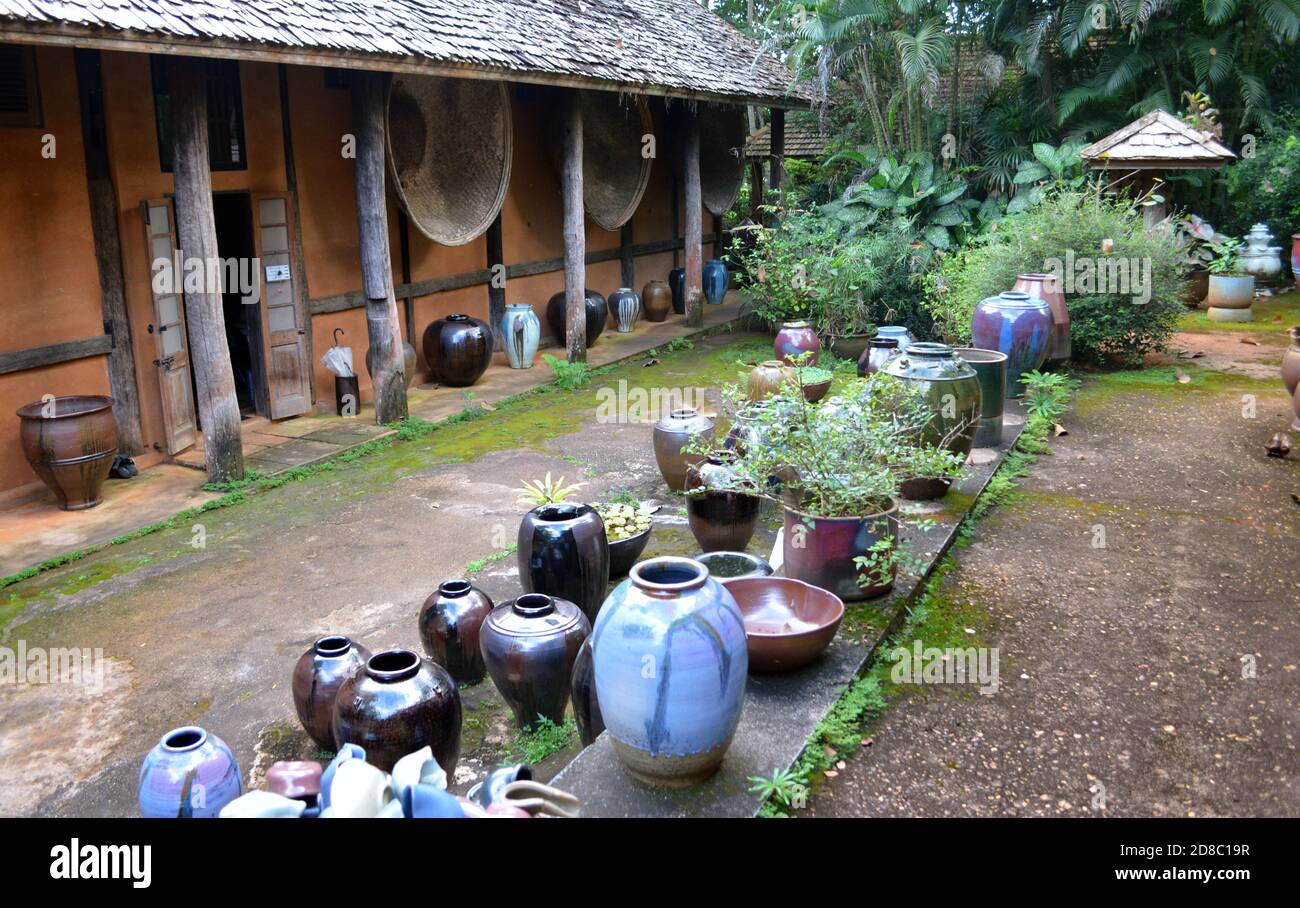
[625, 552]
[815, 391]
[788, 623]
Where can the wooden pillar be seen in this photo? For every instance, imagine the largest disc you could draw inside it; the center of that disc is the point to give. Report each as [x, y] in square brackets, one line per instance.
[692, 201]
[496, 295]
[677, 221]
[719, 238]
[575, 238]
[196, 234]
[404, 250]
[108, 254]
[299, 259]
[627, 264]
[778, 153]
[387, 369]
[756, 190]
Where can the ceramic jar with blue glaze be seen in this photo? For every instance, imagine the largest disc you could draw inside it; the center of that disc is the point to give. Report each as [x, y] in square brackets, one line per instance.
[670, 662]
[625, 306]
[898, 333]
[1018, 325]
[716, 281]
[522, 331]
[189, 774]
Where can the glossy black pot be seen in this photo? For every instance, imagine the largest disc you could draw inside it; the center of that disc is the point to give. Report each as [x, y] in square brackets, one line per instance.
[597, 316]
[586, 709]
[677, 283]
[722, 521]
[530, 645]
[317, 677]
[458, 349]
[449, 625]
[397, 705]
[563, 552]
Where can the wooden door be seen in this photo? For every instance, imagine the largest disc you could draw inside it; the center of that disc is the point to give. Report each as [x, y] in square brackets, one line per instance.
[168, 328]
[284, 341]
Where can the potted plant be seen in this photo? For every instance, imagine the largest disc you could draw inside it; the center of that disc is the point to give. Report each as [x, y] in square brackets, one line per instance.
[841, 465]
[627, 521]
[1193, 236]
[1231, 291]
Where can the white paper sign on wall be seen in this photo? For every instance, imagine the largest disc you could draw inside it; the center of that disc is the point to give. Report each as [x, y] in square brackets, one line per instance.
[276, 273]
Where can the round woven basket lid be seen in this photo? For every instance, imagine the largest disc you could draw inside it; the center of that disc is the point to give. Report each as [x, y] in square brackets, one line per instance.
[615, 173]
[450, 145]
[722, 143]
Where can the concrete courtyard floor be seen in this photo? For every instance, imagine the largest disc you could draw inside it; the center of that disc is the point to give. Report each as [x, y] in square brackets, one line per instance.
[1159, 675]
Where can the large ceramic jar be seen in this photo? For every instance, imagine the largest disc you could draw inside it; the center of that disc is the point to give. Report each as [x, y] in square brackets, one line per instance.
[878, 352]
[563, 552]
[766, 379]
[1047, 288]
[656, 300]
[952, 392]
[1291, 362]
[582, 691]
[449, 625]
[672, 433]
[408, 363]
[796, 340]
[530, 645]
[522, 332]
[898, 333]
[70, 443]
[458, 349]
[670, 661]
[991, 369]
[1295, 258]
[188, 774]
[716, 279]
[1230, 297]
[317, 677]
[625, 306]
[823, 551]
[1014, 324]
[677, 283]
[398, 704]
[596, 313]
[721, 521]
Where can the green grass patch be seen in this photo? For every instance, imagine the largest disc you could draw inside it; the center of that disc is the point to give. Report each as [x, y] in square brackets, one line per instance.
[543, 739]
[1265, 312]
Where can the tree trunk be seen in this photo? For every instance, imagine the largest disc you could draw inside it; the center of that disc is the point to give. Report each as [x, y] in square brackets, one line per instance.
[196, 233]
[387, 369]
[692, 200]
[575, 237]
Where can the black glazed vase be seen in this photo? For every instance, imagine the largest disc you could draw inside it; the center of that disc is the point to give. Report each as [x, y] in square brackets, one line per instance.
[582, 689]
[563, 552]
[458, 349]
[722, 521]
[597, 316]
[317, 677]
[397, 705]
[677, 283]
[530, 645]
[449, 624]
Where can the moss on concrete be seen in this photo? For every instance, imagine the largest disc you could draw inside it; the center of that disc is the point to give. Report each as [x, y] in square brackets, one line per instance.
[1266, 312]
[1162, 383]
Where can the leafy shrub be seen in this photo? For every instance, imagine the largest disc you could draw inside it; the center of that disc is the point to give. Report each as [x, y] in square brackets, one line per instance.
[1070, 225]
[569, 376]
[1266, 187]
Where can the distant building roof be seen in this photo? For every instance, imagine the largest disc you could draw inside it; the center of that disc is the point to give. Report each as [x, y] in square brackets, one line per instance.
[676, 48]
[1157, 141]
[801, 141]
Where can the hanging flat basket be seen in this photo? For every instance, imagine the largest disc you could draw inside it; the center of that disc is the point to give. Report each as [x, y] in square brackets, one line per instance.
[722, 143]
[450, 145]
[615, 173]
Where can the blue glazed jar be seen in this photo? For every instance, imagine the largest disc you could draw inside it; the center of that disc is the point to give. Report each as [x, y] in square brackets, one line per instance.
[1019, 326]
[522, 331]
[716, 280]
[670, 662]
[898, 333]
[189, 774]
[625, 307]
[677, 283]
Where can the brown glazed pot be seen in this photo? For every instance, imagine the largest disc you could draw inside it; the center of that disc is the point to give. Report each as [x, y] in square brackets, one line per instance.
[582, 689]
[449, 625]
[458, 349]
[821, 551]
[317, 677]
[563, 551]
[530, 645]
[878, 352]
[676, 430]
[794, 340]
[656, 301]
[408, 363]
[721, 521]
[788, 623]
[766, 379]
[70, 442]
[850, 346]
[398, 704]
[1046, 288]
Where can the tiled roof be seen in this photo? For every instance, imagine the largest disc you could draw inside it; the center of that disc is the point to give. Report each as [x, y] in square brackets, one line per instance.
[1158, 140]
[800, 142]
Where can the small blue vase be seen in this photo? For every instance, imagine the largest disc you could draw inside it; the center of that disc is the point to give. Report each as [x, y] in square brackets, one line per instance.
[625, 306]
[189, 774]
[898, 333]
[522, 331]
[716, 280]
[677, 282]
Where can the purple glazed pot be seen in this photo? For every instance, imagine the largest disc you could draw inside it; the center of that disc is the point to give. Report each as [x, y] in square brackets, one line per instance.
[190, 774]
[1019, 326]
[795, 339]
[821, 551]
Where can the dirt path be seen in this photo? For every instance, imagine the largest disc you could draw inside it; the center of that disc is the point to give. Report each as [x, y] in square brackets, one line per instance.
[1155, 676]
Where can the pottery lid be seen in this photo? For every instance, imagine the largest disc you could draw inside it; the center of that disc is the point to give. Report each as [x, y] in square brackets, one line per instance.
[684, 418]
[926, 361]
[534, 614]
[892, 331]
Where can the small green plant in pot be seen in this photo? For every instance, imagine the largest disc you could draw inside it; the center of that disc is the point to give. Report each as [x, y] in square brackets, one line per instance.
[1231, 291]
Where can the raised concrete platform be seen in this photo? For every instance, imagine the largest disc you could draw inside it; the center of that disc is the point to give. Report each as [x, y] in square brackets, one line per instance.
[782, 711]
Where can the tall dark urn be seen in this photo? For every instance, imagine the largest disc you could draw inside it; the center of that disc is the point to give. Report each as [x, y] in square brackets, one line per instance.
[563, 552]
[677, 283]
[597, 315]
[449, 625]
[458, 349]
[317, 677]
[530, 645]
[722, 521]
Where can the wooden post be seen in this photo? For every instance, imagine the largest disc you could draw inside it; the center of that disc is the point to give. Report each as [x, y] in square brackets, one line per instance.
[108, 254]
[778, 161]
[196, 234]
[404, 251]
[627, 264]
[575, 238]
[692, 200]
[756, 190]
[299, 259]
[677, 221]
[382, 326]
[496, 295]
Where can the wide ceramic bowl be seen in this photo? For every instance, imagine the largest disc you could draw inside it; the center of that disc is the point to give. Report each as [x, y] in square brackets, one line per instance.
[788, 623]
[728, 567]
[815, 391]
[625, 552]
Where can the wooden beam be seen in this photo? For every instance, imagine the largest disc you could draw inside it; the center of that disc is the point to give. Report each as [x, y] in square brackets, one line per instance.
[756, 191]
[496, 295]
[575, 231]
[53, 354]
[108, 254]
[299, 259]
[404, 250]
[778, 154]
[676, 215]
[196, 233]
[692, 200]
[382, 326]
[626, 258]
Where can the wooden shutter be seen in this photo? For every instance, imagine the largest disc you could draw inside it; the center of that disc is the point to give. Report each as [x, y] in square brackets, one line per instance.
[284, 341]
[170, 341]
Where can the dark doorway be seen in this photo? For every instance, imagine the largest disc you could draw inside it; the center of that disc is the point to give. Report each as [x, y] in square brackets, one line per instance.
[234, 219]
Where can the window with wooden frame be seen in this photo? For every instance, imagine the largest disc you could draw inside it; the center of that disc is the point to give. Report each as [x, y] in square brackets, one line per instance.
[226, 149]
[20, 96]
